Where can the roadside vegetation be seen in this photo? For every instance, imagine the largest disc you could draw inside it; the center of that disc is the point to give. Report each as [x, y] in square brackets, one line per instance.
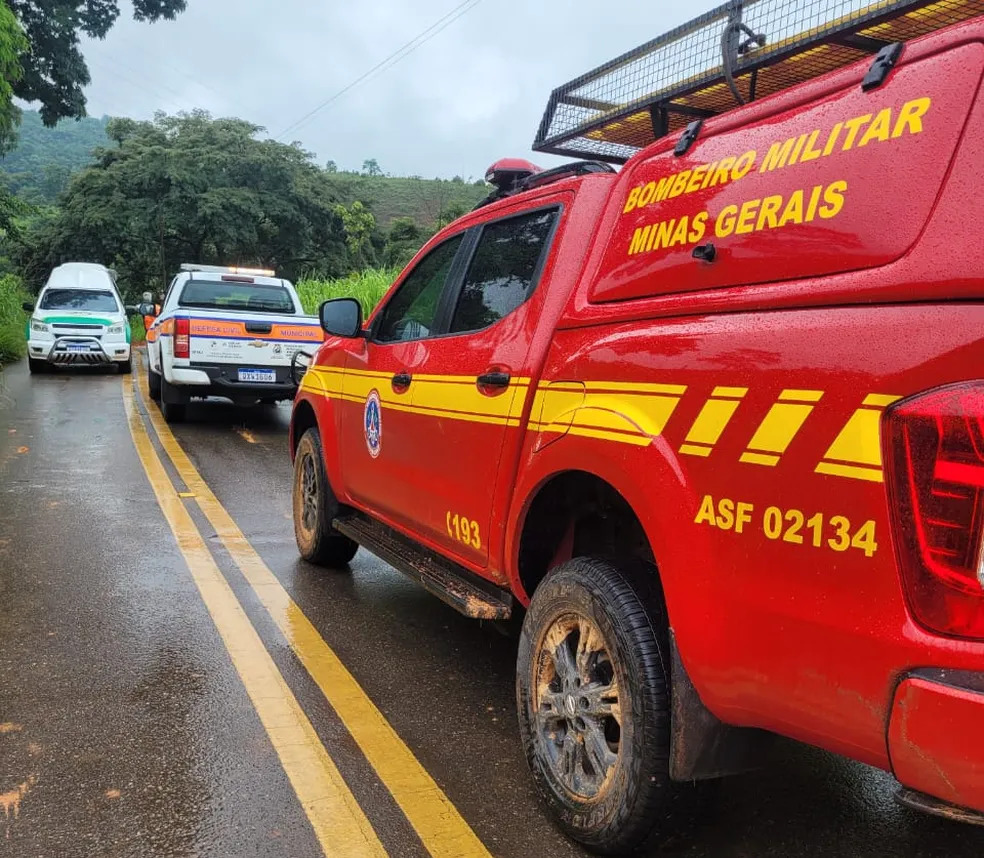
[367, 286]
[12, 318]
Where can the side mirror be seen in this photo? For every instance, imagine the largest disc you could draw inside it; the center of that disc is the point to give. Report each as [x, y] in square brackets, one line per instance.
[341, 317]
[146, 309]
[27, 307]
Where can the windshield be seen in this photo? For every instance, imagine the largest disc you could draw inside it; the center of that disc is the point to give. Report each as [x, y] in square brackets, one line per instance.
[93, 300]
[225, 295]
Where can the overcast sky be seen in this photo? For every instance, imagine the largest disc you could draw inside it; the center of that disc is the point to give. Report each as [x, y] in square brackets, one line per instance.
[472, 94]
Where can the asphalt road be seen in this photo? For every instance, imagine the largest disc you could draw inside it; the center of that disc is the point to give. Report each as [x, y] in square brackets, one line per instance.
[135, 718]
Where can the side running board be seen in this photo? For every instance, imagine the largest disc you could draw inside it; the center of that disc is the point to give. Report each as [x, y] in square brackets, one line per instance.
[461, 589]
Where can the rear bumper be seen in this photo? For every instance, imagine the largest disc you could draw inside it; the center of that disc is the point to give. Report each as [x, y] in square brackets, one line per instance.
[200, 379]
[936, 736]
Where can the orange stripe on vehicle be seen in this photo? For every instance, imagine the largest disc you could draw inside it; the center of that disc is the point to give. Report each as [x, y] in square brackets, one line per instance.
[280, 332]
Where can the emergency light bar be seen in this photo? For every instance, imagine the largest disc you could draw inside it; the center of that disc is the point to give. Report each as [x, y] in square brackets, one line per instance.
[740, 51]
[228, 269]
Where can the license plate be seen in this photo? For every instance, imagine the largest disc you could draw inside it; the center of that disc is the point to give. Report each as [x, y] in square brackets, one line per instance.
[262, 375]
[78, 348]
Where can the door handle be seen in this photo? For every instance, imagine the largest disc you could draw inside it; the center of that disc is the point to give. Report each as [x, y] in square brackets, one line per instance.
[402, 380]
[493, 379]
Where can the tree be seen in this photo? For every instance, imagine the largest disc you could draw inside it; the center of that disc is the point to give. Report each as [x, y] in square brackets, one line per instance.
[331, 167]
[188, 188]
[449, 213]
[371, 167]
[358, 224]
[54, 71]
[12, 44]
[402, 242]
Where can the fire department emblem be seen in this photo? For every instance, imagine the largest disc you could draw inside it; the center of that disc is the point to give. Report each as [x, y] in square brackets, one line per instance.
[373, 420]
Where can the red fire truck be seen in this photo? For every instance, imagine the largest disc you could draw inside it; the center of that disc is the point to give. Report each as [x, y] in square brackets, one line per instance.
[714, 421]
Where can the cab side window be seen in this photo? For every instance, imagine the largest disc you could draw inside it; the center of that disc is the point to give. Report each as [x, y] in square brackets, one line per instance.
[503, 270]
[412, 311]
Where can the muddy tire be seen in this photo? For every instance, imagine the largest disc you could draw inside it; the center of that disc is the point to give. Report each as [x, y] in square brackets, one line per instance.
[315, 507]
[38, 367]
[153, 383]
[125, 367]
[173, 407]
[592, 688]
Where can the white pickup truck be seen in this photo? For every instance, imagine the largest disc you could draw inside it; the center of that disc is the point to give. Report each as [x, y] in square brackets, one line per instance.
[225, 331]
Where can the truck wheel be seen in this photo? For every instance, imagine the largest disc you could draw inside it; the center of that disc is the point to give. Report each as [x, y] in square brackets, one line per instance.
[38, 367]
[592, 688]
[125, 367]
[153, 384]
[172, 407]
[315, 507]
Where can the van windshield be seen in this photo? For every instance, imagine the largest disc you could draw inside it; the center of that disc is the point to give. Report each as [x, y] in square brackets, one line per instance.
[93, 300]
[226, 295]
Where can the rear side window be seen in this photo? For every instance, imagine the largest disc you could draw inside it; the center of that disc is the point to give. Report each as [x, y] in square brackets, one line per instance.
[503, 270]
[90, 300]
[229, 295]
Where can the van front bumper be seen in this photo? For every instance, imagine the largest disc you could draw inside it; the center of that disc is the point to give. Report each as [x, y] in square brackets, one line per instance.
[78, 351]
[936, 740]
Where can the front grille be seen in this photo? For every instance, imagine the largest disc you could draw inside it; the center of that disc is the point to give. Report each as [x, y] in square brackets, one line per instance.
[79, 357]
[64, 327]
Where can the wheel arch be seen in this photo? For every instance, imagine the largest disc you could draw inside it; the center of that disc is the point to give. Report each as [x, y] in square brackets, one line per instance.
[644, 520]
[302, 418]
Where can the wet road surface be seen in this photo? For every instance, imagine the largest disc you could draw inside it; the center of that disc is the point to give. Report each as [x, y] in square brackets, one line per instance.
[137, 717]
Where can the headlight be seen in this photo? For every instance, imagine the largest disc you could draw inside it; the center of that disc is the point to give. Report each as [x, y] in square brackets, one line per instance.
[116, 330]
[39, 327]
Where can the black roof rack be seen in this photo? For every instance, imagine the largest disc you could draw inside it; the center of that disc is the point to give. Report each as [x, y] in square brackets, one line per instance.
[740, 51]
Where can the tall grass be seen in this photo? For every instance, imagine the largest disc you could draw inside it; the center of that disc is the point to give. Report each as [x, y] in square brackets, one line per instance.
[367, 286]
[13, 320]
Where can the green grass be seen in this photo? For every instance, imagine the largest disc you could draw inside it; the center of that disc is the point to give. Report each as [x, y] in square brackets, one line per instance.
[137, 332]
[367, 286]
[13, 320]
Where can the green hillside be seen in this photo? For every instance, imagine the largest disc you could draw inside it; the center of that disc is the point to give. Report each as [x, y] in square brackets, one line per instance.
[37, 170]
[424, 200]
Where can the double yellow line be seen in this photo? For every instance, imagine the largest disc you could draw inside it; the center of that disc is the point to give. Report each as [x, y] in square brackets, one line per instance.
[339, 823]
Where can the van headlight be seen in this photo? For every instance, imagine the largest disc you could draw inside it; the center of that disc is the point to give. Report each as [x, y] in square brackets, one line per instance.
[116, 330]
[39, 327]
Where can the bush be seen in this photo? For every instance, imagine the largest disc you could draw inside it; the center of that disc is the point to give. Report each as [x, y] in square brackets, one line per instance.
[367, 286]
[13, 320]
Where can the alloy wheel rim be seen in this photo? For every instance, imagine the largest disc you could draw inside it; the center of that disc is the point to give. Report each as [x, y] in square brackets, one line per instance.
[578, 713]
[309, 493]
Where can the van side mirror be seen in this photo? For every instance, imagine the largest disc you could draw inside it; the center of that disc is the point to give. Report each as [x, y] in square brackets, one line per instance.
[341, 317]
[27, 307]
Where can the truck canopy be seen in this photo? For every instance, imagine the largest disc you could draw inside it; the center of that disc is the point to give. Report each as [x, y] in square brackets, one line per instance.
[738, 52]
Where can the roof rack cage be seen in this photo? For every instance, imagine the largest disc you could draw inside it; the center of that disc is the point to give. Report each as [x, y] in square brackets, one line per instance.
[740, 51]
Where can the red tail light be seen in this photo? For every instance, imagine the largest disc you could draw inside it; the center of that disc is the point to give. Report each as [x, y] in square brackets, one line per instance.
[182, 338]
[935, 454]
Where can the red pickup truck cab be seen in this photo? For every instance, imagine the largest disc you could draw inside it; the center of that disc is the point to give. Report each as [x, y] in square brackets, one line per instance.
[714, 422]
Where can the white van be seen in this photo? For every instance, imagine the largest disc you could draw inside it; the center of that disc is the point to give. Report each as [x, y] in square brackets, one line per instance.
[79, 319]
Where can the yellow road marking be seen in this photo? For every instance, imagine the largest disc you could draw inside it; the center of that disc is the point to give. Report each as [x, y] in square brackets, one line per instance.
[340, 825]
[436, 820]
